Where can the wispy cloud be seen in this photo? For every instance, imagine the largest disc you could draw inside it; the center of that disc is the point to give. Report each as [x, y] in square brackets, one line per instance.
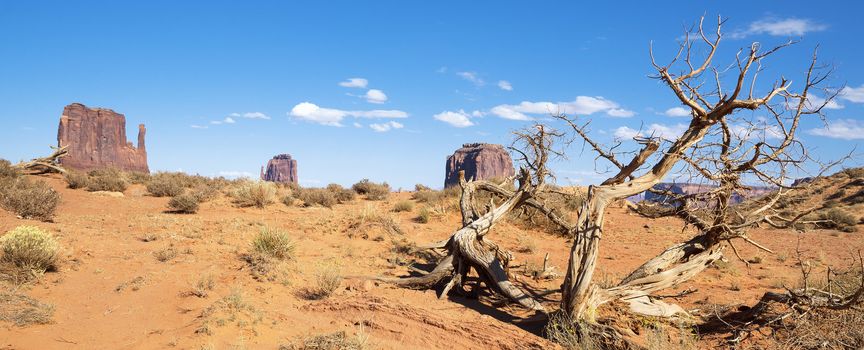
[844, 129]
[853, 94]
[250, 115]
[195, 126]
[505, 85]
[385, 127]
[666, 132]
[780, 27]
[375, 96]
[459, 119]
[333, 117]
[355, 83]
[227, 120]
[472, 77]
[677, 112]
[582, 105]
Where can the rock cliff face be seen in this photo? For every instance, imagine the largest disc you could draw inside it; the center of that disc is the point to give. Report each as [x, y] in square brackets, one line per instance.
[480, 161]
[282, 168]
[96, 138]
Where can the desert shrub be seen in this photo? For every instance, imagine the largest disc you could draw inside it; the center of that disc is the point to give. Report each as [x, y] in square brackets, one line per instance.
[186, 203]
[29, 249]
[6, 170]
[838, 219]
[317, 196]
[76, 180]
[362, 187]
[29, 199]
[403, 206]
[137, 177]
[344, 195]
[424, 215]
[108, 179]
[855, 198]
[166, 254]
[421, 188]
[288, 199]
[275, 244]
[855, 173]
[204, 193]
[427, 196]
[254, 194]
[566, 332]
[165, 185]
[334, 187]
[327, 280]
[378, 192]
[525, 244]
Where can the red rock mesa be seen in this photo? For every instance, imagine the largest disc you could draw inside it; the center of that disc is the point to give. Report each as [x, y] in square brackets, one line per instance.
[282, 168]
[480, 161]
[96, 138]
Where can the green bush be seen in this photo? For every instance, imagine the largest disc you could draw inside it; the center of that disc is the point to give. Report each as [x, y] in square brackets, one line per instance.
[108, 179]
[29, 249]
[274, 244]
[76, 180]
[186, 203]
[403, 206]
[254, 194]
[29, 199]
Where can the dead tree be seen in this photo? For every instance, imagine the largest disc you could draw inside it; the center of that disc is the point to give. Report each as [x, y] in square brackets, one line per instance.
[718, 147]
[43, 165]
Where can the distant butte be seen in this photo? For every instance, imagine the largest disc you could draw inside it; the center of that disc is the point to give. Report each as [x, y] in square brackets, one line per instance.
[282, 168]
[96, 138]
[480, 161]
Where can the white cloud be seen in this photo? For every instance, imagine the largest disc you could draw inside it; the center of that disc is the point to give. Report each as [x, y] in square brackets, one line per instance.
[582, 105]
[355, 83]
[472, 77]
[758, 131]
[458, 119]
[781, 27]
[846, 129]
[477, 114]
[375, 96]
[853, 94]
[333, 117]
[505, 85]
[441, 70]
[677, 112]
[227, 120]
[814, 102]
[667, 132]
[250, 115]
[194, 126]
[385, 127]
[358, 125]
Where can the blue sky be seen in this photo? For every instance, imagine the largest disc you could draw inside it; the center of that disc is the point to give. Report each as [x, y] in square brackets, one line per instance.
[223, 85]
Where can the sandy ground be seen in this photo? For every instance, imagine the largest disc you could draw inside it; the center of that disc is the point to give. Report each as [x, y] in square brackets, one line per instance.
[112, 292]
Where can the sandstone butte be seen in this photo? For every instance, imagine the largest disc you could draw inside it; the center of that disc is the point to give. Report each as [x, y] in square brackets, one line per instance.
[96, 138]
[480, 161]
[282, 168]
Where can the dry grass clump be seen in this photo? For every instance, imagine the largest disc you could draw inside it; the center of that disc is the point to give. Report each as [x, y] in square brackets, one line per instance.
[855, 173]
[370, 218]
[373, 191]
[421, 188]
[186, 203]
[403, 206]
[233, 308]
[327, 280]
[204, 192]
[424, 215]
[76, 180]
[561, 203]
[109, 179]
[330, 341]
[254, 194]
[204, 285]
[28, 252]
[273, 244]
[166, 254]
[28, 199]
[526, 244]
[137, 177]
[22, 310]
[343, 195]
